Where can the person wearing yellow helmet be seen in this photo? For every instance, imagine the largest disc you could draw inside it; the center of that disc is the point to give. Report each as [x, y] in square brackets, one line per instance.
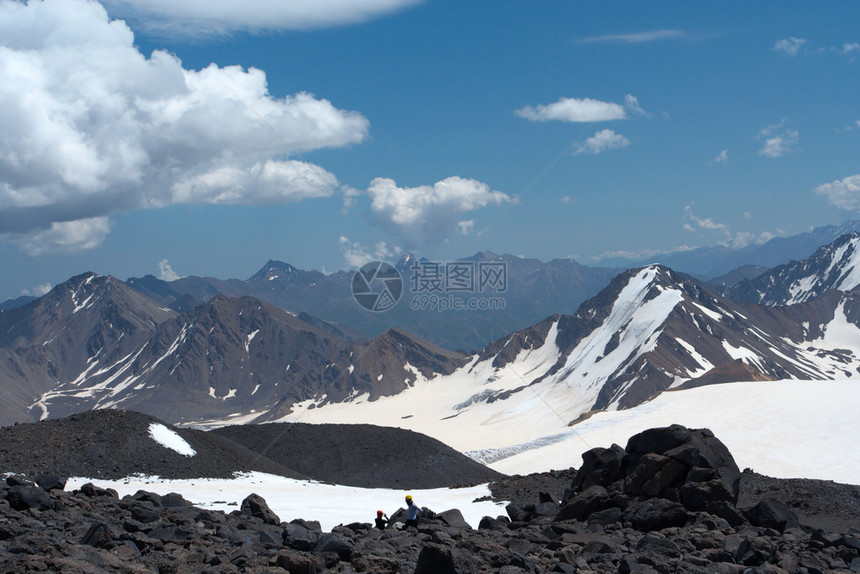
[412, 512]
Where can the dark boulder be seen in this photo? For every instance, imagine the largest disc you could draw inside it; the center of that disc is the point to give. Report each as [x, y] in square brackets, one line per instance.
[13, 480]
[174, 500]
[498, 523]
[692, 447]
[653, 475]
[256, 506]
[453, 518]
[151, 498]
[600, 466]
[26, 497]
[516, 512]
[98, 535]
[698, 496]
[296, 563]
[313, 525]
[92, 490]
[655, 514]
[51, 482]
[142, 513]
[299, 537]
[375, 564]
[593, 499]
[335, 544]
[436, 559]
[770, 513]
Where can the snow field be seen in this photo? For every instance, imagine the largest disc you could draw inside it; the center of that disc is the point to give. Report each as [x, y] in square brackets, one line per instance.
[785, 429]
[330, 504]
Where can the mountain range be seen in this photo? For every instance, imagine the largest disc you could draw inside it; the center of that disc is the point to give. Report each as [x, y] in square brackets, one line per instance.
[710, 262]
[832, 267]
[532, 290]
[95, 342]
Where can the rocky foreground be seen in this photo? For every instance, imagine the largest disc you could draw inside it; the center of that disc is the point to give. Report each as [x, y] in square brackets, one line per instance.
[668, 502]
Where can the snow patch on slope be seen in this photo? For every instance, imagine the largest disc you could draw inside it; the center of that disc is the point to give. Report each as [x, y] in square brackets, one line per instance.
[839, 333]
[170, 439]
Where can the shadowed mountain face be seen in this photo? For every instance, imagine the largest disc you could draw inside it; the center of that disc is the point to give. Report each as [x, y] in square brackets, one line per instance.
[55, 339]
[93, 342]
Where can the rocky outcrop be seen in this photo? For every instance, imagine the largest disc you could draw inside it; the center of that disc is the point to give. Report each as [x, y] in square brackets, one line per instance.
[686, 469]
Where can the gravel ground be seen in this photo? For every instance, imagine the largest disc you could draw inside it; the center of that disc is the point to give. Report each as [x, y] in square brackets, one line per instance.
[820, 504]
[362, 455]
[113, 444]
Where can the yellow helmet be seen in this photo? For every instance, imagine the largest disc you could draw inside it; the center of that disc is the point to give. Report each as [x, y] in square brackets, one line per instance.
[408, 497]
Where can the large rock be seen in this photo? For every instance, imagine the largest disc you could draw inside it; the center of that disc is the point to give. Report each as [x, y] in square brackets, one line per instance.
[691, 447]
[453, 518]
[656, 514]
[654, 474]
[690, 466]
[437, 559]
[770, 513]
[299, 537]
[336, 544]
[600, 466]
[26, 497]
[593, 499]
[256, 506]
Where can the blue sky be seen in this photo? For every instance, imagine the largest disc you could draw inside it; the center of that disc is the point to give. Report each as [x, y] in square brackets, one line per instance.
[176, 139]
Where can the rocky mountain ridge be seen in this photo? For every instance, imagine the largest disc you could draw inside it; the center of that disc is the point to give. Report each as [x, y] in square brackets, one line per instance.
[532, 290]
[94, 343]
[653, 329]
[835, 266]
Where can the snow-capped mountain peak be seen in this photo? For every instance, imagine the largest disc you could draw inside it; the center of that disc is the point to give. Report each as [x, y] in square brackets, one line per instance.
[832, 267]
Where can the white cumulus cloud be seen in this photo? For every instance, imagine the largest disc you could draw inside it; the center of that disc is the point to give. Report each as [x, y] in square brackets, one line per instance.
[791, 46]
[734, 240]
[37, 291]
[65, 236]
[356, 255]
[702, 222]
[198, 17]
[91, 126]
[166, 272]
[844, 193]
[582, 110]
[428, 214]
[778, 140]
[602, 141]
[574, 110]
